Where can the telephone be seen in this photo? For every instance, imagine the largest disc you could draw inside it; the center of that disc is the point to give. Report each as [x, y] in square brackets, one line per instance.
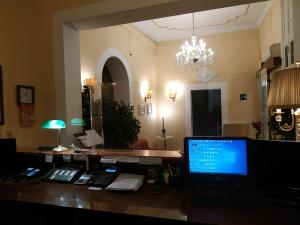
[30, 172]
[65, 175]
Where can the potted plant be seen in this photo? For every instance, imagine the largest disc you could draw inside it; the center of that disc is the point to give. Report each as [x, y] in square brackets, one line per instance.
[120, 126]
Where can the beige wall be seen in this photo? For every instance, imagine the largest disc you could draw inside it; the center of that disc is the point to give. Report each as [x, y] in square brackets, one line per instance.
[93, 43]
[236, 62]
[270, 28]
[26, 58]
[26, 55]
[23, 57]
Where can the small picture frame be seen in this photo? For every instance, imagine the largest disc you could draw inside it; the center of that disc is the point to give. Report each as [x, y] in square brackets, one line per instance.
[25, 94]
[149, 108]
[141, 109]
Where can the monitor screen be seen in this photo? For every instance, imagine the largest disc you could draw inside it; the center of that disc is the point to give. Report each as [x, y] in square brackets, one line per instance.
[216, 155]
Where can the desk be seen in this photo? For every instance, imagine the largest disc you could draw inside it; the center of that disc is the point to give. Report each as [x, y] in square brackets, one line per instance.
[166, 155]
[52, 203]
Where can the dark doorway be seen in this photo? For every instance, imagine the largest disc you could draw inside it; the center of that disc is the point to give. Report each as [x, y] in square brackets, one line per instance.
[115, 82]
[107, 84]
[206, 112]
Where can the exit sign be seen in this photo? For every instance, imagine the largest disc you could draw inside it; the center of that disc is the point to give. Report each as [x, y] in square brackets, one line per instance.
[243, 97]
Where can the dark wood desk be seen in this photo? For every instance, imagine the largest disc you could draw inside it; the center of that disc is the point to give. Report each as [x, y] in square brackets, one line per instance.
[49, 203]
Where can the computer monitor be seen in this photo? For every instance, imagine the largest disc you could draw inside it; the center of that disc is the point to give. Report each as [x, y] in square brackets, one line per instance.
[8, 155]
[215, 158]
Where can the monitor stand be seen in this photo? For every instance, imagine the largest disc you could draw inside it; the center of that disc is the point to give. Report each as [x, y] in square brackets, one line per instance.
[220, 185]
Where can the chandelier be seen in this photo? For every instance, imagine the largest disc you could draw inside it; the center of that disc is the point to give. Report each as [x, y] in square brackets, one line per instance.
[194, 54]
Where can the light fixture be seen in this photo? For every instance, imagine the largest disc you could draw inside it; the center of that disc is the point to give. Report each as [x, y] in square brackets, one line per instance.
[77, 122]
[285, 94]
[56, 124]
[194, 53]
[91, 82]
[298, 63]
[148, 94]
[205, 74]
[172, 94]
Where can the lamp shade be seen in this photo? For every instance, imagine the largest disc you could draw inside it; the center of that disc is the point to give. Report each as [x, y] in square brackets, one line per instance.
[77, 122]
[54, 124]
[285, 89]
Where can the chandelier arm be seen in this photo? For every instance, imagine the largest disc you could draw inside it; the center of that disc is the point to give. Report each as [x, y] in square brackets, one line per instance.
[193, 24]
[286, 127]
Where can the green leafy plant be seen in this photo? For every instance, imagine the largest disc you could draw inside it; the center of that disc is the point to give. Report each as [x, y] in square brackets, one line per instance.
[120, 126]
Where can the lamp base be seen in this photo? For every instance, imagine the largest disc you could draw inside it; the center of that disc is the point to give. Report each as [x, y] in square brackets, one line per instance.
[59, 148]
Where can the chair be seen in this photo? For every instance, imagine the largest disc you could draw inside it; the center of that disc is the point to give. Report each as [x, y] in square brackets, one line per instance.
[140, 144]
[236, 129]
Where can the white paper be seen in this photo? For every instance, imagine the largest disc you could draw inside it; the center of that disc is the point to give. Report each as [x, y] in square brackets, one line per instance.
[93, 138]
[109, 159]
[67, 158]
[128, 159]
[94, 188]
[151, 160]
[49, 158]
[126, 182]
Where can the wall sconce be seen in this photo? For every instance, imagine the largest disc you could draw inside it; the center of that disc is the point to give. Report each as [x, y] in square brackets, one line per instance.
[91, 82]
[284, 93]
[148, 94]
[172, 94]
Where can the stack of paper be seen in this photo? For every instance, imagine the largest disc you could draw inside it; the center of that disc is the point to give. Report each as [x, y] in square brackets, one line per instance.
[126, 182]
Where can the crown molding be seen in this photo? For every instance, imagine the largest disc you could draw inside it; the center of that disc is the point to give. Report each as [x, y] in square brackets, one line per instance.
[235, 18]
[264, 14]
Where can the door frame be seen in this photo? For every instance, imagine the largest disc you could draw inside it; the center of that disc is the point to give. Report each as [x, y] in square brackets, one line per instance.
[195, 87]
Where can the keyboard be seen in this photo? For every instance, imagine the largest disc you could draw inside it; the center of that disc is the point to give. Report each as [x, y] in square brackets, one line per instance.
[222, 201]
[101, 179]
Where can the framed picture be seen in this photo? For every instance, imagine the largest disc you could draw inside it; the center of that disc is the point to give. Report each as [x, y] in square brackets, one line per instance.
[25, 94]
[141, 109]
[149, 108]
[1, 98]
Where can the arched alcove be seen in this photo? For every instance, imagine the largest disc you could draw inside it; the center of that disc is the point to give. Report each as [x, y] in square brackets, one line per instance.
[113, 62]
[115, 84]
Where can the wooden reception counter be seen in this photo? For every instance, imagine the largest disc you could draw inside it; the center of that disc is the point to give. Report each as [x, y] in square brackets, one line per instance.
[26, 202]
[32, 201]
[165, 154]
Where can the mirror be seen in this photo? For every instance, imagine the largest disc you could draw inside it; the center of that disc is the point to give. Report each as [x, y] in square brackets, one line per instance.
[149, 57]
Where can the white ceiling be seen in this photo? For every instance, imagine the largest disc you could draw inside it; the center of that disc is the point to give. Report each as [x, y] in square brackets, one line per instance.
[221, 20]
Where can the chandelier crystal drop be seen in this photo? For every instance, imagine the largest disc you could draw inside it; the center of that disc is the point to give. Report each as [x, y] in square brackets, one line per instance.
[194, 53]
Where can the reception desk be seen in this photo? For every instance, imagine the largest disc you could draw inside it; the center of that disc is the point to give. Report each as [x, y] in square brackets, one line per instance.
[32, 201]
[165, 154]
[51, 203]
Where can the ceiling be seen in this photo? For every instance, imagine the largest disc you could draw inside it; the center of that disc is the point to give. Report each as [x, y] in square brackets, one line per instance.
[221, 20]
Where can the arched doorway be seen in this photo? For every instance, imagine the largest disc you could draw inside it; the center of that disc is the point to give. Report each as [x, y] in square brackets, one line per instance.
[115, 82]
[115, 63]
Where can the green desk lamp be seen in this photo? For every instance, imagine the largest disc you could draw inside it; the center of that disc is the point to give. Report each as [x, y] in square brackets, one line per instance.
[76, 122]
[56, 124]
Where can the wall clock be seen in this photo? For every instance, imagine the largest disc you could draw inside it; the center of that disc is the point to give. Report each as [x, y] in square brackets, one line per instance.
[25, 94]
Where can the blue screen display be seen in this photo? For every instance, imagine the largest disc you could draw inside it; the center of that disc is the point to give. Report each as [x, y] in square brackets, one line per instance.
[218, 156]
